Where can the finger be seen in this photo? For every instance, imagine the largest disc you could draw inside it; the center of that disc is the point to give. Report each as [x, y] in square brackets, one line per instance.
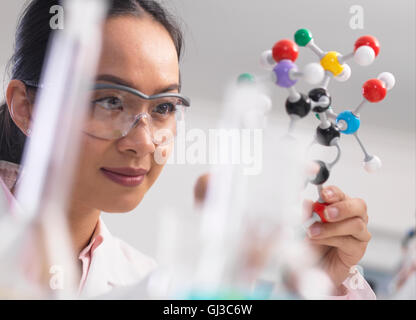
[332, 194]
[346, 209]
[201, 187]
[347, 244]
[355, 227]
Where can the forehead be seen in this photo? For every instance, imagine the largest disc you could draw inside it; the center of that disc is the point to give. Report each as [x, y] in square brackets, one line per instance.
[139, 51]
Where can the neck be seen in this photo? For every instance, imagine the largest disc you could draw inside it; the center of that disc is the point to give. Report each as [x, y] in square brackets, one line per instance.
[82, 222]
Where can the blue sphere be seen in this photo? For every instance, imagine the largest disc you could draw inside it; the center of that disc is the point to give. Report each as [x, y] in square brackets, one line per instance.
[352, 121]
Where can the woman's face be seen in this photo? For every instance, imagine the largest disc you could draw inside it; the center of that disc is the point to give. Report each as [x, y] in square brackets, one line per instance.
[140, 52]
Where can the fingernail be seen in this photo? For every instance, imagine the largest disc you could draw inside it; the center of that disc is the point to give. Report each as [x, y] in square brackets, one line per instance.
[331, 213]
[328, 193]
[314, 231]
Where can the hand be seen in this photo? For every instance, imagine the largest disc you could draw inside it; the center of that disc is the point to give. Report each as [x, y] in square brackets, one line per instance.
[340, 243]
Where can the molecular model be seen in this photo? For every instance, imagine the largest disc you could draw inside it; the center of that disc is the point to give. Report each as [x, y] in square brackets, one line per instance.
[280, 60]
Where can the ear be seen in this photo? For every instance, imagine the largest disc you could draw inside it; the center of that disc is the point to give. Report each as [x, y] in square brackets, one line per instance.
[20, 107]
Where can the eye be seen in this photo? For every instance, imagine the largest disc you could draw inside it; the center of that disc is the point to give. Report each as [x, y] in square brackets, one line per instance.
[165, 108]
[109, 103]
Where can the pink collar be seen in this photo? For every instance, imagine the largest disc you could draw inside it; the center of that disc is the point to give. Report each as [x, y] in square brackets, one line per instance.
[87, 253]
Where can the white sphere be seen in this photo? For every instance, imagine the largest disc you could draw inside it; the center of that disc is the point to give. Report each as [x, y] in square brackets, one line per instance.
[364, 56]
[345, 74]
[372, 165]
[266, 60]
[313, 73]
[388, 79]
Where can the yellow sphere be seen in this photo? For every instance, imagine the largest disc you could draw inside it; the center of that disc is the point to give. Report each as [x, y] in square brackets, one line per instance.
[330, 63]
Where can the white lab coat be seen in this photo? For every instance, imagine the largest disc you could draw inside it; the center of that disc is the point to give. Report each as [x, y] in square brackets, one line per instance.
[114, 263]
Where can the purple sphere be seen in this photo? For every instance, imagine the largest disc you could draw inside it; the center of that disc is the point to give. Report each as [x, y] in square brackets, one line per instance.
[281, 70]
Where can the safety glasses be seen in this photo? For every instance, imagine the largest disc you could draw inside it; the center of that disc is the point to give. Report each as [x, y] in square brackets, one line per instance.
[115, 110]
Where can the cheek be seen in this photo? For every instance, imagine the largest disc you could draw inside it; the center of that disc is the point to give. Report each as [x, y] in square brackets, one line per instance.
[95, 190]
[162, 154]
[86, 177]
[159, 159]
[92, 152]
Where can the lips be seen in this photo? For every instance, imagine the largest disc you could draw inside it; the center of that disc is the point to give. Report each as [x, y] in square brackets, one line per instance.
[128, 177]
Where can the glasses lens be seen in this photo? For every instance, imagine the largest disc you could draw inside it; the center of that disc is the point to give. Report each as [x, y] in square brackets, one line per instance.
[113, 113]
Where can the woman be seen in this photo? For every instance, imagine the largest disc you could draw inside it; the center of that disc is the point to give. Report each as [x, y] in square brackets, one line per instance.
[141, 50]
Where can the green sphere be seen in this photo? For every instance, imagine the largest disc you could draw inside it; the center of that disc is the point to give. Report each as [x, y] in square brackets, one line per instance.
[246, 78]
[303, 37]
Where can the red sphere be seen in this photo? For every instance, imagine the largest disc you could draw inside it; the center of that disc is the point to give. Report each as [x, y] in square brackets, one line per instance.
[319, 209]
[368, 41]
[285, 49]
[374, 90]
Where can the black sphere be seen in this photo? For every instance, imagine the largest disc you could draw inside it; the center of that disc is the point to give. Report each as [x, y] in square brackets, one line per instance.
[323, 174]
[316, 95]
[326, 136]
[300, 108]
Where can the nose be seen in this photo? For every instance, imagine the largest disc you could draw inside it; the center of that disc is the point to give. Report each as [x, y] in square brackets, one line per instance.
[139, 140]
[142, 119]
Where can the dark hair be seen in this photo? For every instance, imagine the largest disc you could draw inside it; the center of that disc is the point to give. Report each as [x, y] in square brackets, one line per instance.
[31, 42]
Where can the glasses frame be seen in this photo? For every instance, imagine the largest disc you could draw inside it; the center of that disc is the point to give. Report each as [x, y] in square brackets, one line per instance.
[98, 86]
[101, 86]
[186, 100]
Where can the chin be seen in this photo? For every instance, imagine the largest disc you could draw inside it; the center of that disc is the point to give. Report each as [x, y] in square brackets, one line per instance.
[123, 205]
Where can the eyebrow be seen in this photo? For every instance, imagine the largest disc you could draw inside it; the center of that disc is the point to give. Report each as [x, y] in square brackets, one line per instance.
[120, 81]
